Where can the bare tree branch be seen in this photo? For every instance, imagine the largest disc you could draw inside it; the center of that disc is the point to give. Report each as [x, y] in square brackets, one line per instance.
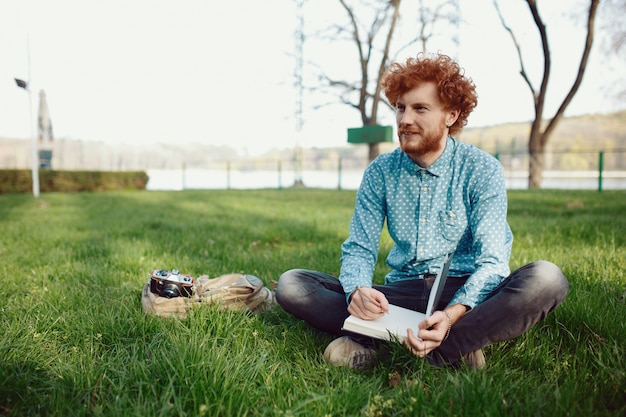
[547, 62]
[519, 51]
[363, 60]
[384, 62]
[593, 7]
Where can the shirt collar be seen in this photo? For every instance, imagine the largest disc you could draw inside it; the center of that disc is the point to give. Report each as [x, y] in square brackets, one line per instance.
[438, 168]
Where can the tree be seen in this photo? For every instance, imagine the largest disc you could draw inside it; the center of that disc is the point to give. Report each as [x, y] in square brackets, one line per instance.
[540, 132]
[373, 42]
[365, 47]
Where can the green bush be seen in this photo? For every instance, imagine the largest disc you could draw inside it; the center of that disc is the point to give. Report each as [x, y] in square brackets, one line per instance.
[20, 181]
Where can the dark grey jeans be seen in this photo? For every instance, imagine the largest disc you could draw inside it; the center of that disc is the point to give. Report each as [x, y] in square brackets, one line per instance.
[527, 296]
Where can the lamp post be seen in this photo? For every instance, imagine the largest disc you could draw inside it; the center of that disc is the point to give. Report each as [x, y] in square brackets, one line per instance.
[35, 163]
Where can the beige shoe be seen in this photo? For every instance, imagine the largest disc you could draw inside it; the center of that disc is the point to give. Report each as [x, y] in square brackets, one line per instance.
[346, 352]
[475, 359]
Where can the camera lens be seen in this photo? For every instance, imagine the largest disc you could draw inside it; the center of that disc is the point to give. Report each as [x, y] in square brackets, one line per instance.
[170, 291]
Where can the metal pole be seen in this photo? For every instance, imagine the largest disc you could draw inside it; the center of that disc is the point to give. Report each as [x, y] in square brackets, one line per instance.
[299, 36]
[184, 176]
[35, 166]
[228, 175]
[339, 175]
[600, 168]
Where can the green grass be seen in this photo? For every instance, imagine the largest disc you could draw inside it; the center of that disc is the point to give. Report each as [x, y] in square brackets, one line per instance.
[75, 341]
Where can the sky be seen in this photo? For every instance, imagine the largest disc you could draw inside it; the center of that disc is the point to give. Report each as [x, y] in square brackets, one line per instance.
[222, 73]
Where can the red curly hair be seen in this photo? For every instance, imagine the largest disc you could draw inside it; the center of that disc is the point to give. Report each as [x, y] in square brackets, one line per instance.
[455, 90]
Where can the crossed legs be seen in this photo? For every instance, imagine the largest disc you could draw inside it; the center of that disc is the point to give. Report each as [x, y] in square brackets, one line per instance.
[527, 296]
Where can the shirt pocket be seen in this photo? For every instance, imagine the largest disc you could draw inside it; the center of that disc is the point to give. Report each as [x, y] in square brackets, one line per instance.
[452, 223]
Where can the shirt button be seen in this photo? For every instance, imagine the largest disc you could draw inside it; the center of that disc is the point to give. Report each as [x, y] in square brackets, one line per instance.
[425, 189]
[423, 220]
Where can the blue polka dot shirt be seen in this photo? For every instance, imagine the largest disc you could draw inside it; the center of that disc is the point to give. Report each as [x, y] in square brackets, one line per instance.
[457, 204]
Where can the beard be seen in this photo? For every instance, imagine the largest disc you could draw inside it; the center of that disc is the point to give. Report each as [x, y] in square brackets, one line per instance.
[430, 142]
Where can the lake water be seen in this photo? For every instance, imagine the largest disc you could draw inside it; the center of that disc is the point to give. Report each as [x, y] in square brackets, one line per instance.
[162, 179]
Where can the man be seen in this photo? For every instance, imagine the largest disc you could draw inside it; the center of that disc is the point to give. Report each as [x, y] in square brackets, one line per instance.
[436, 195]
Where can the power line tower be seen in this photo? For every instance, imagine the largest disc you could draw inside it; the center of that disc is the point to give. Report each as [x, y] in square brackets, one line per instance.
[456, 19]
[299, 38]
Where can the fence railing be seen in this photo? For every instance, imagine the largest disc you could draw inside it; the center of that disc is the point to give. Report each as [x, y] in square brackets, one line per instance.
[570, 169]
[598, 170]
[340, 168]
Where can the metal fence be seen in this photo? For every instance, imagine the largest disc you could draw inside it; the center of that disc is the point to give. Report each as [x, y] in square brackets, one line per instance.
[176, 168]
[569, 169]
[565, 170]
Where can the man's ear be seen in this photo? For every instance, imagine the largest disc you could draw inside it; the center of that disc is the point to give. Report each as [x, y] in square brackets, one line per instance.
[452, 116]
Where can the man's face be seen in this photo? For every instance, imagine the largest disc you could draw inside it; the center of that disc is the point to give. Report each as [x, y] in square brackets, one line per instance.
[422, 121]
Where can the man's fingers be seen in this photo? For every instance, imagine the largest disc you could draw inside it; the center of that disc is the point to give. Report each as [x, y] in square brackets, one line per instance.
[372, 300]
[367, 304]
[416, 345]
[357, 309]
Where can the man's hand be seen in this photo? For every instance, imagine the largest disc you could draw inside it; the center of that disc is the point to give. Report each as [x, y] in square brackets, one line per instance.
[432, 331]
[368, 303]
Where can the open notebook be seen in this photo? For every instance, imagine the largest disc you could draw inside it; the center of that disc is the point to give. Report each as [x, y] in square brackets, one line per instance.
[394, 325]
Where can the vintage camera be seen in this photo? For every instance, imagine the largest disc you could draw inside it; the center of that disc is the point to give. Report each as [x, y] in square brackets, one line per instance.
[171, 284]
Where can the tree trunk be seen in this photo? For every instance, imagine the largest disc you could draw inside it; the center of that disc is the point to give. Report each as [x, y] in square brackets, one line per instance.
[536, 148]
[535, 168]
[374, 151]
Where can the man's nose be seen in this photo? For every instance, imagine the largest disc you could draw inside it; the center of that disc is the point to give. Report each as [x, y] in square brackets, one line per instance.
[405, 119]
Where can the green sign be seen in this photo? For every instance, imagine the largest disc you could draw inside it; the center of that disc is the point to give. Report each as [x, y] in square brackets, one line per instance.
[370, 134]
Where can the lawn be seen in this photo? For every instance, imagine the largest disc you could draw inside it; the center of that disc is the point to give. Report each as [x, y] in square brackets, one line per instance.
[75, 341]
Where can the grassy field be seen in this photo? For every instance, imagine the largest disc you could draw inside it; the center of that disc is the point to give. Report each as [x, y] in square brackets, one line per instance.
[75, 341]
